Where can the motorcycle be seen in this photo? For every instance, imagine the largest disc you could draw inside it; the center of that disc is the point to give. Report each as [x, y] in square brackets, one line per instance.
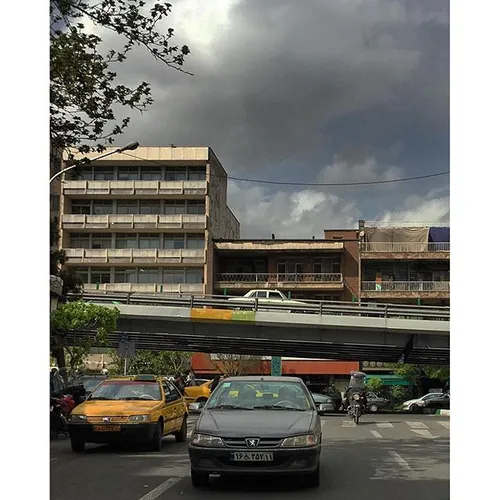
[355, 409]
[58, 421]
[62, 404]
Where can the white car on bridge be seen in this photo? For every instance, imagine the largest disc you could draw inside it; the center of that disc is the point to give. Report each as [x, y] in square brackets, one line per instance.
[267, 297]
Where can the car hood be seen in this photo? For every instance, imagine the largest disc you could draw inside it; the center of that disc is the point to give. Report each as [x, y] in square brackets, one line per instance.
[411, 401]
[262, 423]
[101, 408]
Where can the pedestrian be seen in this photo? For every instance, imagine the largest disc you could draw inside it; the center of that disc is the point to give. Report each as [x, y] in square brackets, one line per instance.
[215, 382]
[56, 381]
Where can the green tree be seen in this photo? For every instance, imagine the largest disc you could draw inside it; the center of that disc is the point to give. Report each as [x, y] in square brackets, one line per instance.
[84, 93]
[77, 316]
[415, 374]
[153, 362]
[375, 385]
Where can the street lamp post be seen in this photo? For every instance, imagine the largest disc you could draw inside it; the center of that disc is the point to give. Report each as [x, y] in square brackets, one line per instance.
[128, 147]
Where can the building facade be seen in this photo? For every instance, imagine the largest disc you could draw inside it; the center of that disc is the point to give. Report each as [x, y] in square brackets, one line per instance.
[144, 222]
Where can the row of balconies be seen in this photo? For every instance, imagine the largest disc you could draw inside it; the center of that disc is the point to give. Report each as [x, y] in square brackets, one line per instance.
[190, 288]
[134, 188]
[134, 256]
[389, 247]
[133, 221]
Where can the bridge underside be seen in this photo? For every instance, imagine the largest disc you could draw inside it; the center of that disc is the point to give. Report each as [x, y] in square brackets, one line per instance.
[210, 337]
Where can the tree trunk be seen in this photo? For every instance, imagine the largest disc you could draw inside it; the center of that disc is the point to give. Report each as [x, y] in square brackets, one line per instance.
[58, 353]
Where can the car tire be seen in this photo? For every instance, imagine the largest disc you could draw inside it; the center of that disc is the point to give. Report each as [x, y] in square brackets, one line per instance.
[415, 409]
[373, 408]
[77, 445]
[181, 435]
[312, 479]
[157, 439]
[199, 479]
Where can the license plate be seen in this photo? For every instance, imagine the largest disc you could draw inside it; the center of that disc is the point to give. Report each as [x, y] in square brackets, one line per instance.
[251, 456]
[107, 428]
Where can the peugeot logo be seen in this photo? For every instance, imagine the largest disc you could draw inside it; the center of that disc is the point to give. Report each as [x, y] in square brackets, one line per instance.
[106, 419]
[252, 442]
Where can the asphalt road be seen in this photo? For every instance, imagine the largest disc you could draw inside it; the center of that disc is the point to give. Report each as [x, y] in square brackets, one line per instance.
[386, 456]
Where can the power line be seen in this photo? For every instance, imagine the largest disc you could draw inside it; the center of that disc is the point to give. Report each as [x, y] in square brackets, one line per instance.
[317, 184]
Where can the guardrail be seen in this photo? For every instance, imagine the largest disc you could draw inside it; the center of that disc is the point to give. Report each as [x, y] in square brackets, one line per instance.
[400, 311]
[405, 286]
[280, 277]
[404, 247]
[134, 255]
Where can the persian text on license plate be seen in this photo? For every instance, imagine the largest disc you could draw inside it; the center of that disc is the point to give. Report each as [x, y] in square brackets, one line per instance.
[106, 428]
[251, 456]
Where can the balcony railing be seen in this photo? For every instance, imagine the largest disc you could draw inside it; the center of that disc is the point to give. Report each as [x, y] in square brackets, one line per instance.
[405, 286]
[134, 256]
[193, 288]
[405, 247]
[280, 277]
[133, 221]
[127, 188]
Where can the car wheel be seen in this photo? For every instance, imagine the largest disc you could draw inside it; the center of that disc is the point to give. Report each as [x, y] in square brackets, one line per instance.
[157, 439]
[312, 480]
[77, 445]
[199, 479]
[414, 409]
[373, 408]
[181, 435]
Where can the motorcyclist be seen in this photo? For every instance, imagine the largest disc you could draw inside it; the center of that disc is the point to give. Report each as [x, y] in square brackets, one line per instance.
[56, 381]
[332, 392]
[356, 386]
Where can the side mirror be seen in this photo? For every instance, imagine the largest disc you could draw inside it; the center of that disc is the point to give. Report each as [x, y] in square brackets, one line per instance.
[195, 407]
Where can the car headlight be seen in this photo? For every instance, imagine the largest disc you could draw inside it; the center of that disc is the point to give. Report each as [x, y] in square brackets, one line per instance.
[206, 440]
[139, 418]
[355, 397]
[301, 441]
[77, 418]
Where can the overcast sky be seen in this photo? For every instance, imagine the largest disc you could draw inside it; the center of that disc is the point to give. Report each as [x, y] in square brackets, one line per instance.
[318, 91]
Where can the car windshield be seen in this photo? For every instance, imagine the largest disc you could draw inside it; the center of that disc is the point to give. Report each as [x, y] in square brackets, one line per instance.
[260, 395]
[432, 395]
[127, 390]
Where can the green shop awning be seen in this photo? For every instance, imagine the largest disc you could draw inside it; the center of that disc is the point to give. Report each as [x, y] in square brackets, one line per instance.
[389, 379]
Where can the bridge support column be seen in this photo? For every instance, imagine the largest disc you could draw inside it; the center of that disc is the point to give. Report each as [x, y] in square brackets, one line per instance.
[276, 366]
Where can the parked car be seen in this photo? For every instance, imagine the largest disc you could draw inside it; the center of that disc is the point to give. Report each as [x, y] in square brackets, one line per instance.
[417, 405]
[266, 297]
[324, 404]
[440, 403]
[198, 393]
[90, 382]
[375, 403]
[248, 435]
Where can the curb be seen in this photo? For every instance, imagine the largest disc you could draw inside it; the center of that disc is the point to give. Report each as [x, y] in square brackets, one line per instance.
[443, 413]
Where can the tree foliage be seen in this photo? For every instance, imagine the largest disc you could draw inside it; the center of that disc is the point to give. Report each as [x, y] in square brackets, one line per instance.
[238, 364]
[153, 362]
[77, 316]
[415, 373]
[84, 92]
[375, 385]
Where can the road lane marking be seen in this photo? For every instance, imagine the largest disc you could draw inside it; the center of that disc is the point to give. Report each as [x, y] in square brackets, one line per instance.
[323, 422]
[416, 425]
[444, 423]
[376, 434]
[424, 433]
[348, 423]
[399, 460]
[153, 494]
[384, 425]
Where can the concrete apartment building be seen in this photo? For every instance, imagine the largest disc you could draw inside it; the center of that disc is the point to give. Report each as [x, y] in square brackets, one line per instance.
[144, 221]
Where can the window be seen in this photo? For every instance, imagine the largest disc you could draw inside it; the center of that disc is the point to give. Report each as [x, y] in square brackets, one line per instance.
[86, 174]
[195, 241]
[194, 276]
[148, 276]
[126, 207]
[175, 207]
[149, 241]
[196, 207]
[126, 241]
[125, 275]
[101, 241]
[148, 207]
[261, 295]
[151, 174]
[104, 174]
[173, 276]
[79, 240]
[275, 295]
[175, 174]
[102, 207]
[173, 241]
[197, 174]
[80, 207]
[128, 174]
[98, 275]
[81, 273]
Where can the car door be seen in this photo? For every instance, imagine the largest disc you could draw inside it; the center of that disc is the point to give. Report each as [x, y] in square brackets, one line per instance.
[178, 405]
[169, 417]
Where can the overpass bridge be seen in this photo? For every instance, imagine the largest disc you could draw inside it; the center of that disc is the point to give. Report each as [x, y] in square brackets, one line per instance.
[329, 330]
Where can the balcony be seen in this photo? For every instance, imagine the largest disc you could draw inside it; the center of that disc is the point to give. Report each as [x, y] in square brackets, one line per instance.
[127, 189]
[291, 281]
[191, 288]
[405, 289]
[134, 221]
[134, 256]
[411, 250]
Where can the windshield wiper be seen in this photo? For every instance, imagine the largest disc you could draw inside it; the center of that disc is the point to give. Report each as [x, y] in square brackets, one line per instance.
[229, 407]
[277, 407]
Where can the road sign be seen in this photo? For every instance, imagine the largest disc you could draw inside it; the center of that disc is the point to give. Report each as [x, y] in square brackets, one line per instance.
[276, 366]
[126, 349]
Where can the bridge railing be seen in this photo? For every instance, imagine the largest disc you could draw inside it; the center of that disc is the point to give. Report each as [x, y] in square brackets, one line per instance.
[401, 311]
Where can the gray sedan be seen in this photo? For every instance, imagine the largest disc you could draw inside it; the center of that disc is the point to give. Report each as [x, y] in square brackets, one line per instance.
[257, 425]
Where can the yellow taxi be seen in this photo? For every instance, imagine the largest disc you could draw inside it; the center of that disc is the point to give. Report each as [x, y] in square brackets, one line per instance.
[198, 393]
[140, 409]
